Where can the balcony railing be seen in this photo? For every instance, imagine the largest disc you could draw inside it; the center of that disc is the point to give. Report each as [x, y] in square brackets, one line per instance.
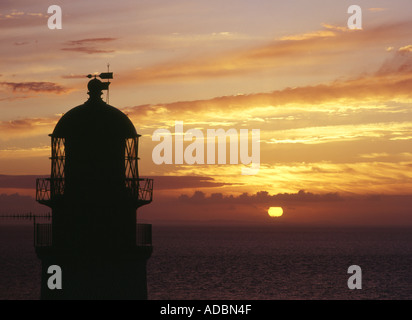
[43, 235]
[47, 189]
[43, 190]
[141, 189]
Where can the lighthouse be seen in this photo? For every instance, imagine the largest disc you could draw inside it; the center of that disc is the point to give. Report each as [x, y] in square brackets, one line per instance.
[94, 240]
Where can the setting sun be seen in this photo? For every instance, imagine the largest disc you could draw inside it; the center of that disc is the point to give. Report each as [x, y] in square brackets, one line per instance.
[275, 212]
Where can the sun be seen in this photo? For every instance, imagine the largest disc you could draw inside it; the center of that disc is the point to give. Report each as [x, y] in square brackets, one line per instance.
[275, 212]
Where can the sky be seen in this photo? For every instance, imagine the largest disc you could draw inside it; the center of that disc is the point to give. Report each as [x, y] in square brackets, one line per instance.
[333, 105]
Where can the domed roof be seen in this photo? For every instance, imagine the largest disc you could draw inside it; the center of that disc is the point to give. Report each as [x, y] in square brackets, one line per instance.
[94, 118]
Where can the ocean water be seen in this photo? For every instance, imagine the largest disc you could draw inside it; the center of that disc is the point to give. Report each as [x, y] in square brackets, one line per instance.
[245, 263]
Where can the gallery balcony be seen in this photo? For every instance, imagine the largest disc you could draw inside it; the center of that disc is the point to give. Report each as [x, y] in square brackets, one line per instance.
[49, 190]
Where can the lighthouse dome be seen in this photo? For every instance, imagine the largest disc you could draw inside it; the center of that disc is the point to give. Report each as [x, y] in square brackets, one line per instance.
[94, 118]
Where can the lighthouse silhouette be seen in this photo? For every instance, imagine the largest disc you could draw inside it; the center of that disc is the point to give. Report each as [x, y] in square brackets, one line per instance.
[94, 190]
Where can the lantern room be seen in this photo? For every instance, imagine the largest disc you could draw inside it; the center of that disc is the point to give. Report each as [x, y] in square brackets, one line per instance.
[94, 156]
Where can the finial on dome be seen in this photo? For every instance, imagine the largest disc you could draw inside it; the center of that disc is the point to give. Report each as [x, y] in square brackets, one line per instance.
[96, 87]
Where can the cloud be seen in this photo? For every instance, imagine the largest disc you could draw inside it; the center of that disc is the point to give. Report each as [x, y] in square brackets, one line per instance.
[38, 87]
[392, 81]
[310, 35]
[18, 182]
[89, 40]
[183, 182]
[16, 203]
[261, 197]
[400, 63]
[26, 128]
[16, 98]
[334, 133]
[73, 76]
[20, 19]
[308, 114]
[88, 45]
[325, 171]
[377, 9]
[337, 28]
[374, 155]
[332, 43]
[299, 208]
[88, 50]
[14, 14]
[161, 182]
[21, 43]
[406, 49]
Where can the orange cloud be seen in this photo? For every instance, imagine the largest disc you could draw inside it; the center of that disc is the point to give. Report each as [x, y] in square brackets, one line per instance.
[88, 50]
[162, 182]
[377, 9]
[392, 81]
[305, 49]
[406, 49]
[38, 87]
[310, 35]
[18, 19]
[90, 40]
[88, 45]
[73, 76]
[299, 208]
[26, 127]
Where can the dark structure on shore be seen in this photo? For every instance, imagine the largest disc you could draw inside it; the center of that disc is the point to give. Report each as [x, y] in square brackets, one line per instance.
[94, 191]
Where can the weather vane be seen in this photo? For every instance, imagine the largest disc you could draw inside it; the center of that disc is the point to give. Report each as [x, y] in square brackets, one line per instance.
[104, 75]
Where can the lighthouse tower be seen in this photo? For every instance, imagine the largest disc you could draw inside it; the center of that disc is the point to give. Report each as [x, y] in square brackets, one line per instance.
[94, 242]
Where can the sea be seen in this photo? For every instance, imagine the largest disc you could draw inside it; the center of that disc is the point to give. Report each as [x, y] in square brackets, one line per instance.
[245, 262]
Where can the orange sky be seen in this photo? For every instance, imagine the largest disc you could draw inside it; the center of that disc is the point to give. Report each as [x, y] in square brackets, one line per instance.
[333, 105]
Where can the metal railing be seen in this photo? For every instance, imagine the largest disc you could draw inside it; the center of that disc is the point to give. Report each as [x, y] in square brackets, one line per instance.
[48, 188]
[43, 192]
[140, 189]
[146, 192]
